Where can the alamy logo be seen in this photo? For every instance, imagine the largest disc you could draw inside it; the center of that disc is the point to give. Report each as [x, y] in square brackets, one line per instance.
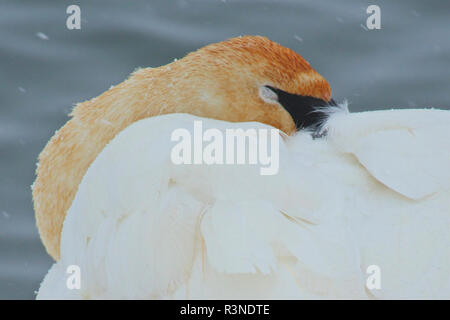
[74, 279]
[239, 146]
[374, 20]
[74, 20]
[374, 279]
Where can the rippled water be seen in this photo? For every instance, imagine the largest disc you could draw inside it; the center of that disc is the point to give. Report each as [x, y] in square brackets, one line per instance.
[45, 69]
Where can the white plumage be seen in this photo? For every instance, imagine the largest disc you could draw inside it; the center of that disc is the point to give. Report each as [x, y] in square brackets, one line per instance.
[374, 191]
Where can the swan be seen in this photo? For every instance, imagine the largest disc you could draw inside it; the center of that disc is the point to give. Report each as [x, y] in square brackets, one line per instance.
[354, 191]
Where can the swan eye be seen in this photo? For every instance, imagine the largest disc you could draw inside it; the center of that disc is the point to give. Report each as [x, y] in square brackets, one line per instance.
[268, 95]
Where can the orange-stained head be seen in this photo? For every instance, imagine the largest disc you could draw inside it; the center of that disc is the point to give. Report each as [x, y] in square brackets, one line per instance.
[239, 80]
[243, 79]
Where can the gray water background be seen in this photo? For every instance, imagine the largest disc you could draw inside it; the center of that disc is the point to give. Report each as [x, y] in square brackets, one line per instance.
[405, 64]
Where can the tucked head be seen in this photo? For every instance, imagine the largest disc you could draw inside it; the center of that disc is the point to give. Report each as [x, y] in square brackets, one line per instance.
[251, 79]
[239, 80]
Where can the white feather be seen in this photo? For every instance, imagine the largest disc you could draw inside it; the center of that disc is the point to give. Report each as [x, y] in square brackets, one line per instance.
[374, 191]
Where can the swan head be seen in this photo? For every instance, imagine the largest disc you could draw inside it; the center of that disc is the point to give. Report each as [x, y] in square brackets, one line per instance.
[244, 79]
[239, 80]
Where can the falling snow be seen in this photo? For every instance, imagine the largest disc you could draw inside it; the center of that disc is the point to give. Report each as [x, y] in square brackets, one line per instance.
[42, 36]
[104, 121]
[298, 38]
